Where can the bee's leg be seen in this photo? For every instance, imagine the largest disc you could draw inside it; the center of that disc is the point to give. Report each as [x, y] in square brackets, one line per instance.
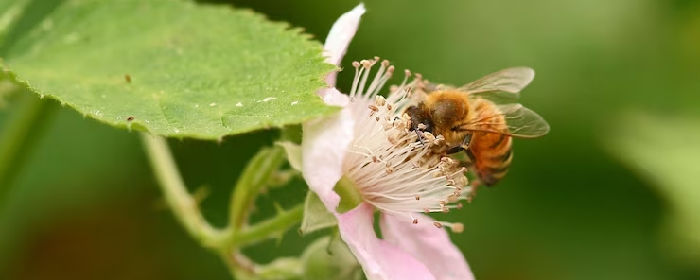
[454, 150]
[465, 142]
[463, 147]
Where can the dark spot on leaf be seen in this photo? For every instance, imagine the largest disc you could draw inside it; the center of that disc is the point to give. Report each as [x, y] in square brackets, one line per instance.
[127, 77]
[130, 118]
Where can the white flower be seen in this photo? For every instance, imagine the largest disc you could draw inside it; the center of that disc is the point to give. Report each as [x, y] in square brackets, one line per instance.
[367, 152]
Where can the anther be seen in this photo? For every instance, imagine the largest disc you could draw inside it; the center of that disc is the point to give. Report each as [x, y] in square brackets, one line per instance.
[377, 118]
[457, 227]
[379, 100]
[373, 107]
[415, 221]
[389, 170]
[417, 197]
[388, 106]
[407, 72]
[390, 70]
[385, 63]
[374, 159]
[437, 224]
[459, 205]
[426, 210]
[355, 64]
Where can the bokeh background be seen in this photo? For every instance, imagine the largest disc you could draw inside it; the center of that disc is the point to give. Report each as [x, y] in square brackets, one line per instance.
[608, 194]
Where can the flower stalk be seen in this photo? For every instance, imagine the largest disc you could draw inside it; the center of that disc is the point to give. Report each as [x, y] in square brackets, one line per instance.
[184, 206]
[224, 241]
[277, 225]
[253, 180]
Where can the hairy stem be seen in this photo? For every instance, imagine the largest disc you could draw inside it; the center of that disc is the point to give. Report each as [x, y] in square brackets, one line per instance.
[254, 178]
[184, 206]
[268, 228]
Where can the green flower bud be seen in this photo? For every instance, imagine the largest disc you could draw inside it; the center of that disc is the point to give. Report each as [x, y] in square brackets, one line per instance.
[328, 258]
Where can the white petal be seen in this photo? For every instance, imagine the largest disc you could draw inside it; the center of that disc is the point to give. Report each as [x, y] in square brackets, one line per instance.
[332, 96]
[430, 245]
[339, 38]
[324, 144]
[380, 260]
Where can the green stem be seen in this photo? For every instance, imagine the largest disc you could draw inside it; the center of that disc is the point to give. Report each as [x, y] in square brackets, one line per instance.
[252, 180]
[225, 242]
[275, 226]
[21, 133]
[183, 205]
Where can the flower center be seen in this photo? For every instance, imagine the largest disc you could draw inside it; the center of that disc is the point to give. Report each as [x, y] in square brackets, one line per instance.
[386, 165]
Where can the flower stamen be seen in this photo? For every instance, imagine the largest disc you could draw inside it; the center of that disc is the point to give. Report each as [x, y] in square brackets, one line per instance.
[416, 176]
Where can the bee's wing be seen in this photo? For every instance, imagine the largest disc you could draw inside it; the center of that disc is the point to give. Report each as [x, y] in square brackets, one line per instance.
[500, 86]
[520, 122]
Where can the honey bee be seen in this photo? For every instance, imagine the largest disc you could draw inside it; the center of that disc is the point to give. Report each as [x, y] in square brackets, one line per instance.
[479, 118]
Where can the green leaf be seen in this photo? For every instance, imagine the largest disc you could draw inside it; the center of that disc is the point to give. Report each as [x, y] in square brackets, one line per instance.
[173, 68]
[316, 216]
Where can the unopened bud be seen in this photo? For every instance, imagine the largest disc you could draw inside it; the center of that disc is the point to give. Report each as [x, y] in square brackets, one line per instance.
[328, 258]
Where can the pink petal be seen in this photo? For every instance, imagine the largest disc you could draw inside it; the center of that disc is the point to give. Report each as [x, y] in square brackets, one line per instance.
[331, 96]
[339, 38]
[324, 143]
[379, 259]
[430, 245]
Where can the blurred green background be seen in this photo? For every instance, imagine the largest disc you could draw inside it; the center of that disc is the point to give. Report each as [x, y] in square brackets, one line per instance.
[600, 197]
